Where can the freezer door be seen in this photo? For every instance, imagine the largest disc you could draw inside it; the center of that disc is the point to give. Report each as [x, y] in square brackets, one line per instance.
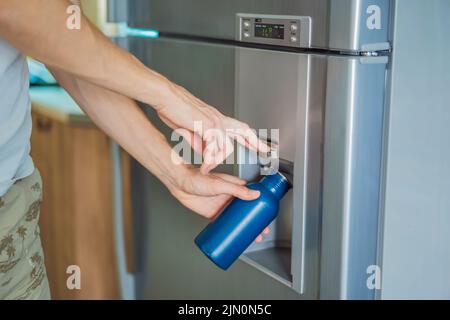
[347, 25]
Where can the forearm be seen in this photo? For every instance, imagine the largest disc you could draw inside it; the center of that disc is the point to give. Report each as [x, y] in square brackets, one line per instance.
[38, 28]
[121, 119]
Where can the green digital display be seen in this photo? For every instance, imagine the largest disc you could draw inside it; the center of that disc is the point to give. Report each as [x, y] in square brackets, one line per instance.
[269, 31]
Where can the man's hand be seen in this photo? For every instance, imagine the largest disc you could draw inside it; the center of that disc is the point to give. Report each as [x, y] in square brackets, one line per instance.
[209, 194]
[181, 110]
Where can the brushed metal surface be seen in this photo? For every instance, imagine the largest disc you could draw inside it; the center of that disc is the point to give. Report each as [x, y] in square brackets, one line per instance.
[217, 19]
[273, 92]
[170, 265]
[348, 24]
[352, 170]
[338, 25]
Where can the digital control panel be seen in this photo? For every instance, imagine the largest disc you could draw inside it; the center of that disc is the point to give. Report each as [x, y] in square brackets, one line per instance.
[291, 31]
[269, 31]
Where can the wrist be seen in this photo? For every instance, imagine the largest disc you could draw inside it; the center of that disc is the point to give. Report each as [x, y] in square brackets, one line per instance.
[160, 92]
[172, 170]
[175, 178]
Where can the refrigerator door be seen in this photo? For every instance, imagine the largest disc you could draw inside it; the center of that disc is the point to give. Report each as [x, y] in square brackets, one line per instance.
[346, 25]
[329, 112]
[287, 267]
[354, 115]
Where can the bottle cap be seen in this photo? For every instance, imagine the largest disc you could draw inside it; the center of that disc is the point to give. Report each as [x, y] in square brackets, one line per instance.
[277, 183]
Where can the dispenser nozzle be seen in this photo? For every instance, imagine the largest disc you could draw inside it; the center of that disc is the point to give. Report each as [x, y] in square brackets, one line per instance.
[285, 167]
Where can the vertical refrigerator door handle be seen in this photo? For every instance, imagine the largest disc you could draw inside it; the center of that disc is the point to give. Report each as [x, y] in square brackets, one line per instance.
[301, 179]
[354, 129]
[126, 279]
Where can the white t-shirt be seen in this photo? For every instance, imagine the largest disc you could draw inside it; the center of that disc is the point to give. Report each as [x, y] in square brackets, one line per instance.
[15, 118]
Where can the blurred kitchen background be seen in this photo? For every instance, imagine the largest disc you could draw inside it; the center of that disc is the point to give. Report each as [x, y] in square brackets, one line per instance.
[87, 188]
[363, 108]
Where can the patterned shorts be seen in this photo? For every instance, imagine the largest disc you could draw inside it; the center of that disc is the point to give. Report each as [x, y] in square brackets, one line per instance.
[22, 269]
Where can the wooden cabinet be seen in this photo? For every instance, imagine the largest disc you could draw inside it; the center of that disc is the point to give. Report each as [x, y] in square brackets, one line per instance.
[74, 159]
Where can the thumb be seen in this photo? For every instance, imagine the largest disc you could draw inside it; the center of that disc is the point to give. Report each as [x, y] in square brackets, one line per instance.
[237, 190]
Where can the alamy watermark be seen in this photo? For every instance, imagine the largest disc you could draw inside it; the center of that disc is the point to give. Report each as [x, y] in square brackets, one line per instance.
[74, 279]
[374, 279]
[73, 21]
[216, 146]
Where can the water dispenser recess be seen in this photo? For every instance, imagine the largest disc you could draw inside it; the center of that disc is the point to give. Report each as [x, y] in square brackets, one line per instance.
[273, 254]
[283, 254]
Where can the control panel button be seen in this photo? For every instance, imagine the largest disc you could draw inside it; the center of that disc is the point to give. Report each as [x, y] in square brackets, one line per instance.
[246, 24]
[246, 35]
[294, 27]
[293, 39]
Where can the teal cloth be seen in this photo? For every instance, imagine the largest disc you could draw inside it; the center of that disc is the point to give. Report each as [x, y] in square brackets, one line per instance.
[39, 74]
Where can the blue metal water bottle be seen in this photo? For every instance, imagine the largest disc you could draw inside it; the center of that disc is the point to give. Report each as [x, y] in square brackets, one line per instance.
[234, 230]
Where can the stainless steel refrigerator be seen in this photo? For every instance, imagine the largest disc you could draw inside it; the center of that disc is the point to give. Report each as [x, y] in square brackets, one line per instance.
[316, 71]
[356, 87]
